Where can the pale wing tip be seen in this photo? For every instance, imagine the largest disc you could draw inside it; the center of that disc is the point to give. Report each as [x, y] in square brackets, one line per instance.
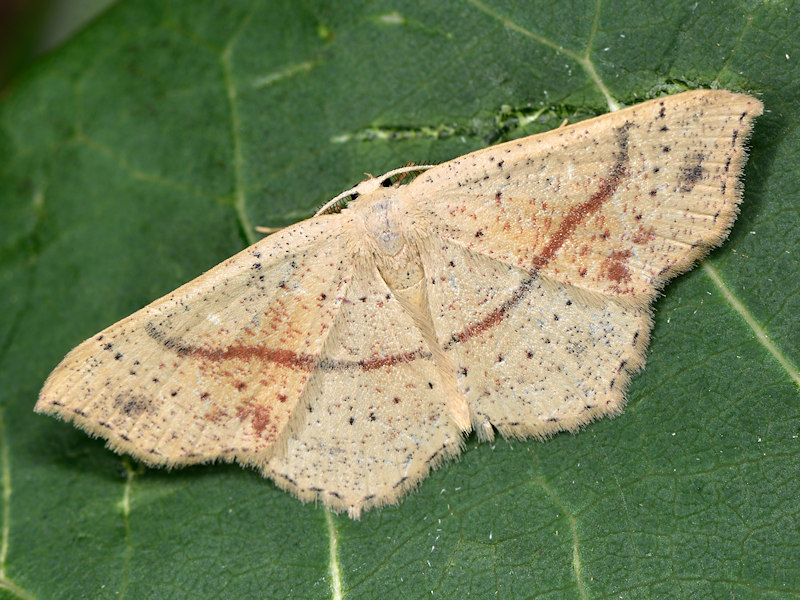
[728, 101]
[47, 404]
[118, 442]
[62, 399]
[745, 108]
[742, 98]
[754, 106]
[43, 406]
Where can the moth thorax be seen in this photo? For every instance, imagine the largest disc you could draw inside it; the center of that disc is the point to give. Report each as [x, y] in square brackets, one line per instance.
[403, 270]
[396, 257]
[383, 227]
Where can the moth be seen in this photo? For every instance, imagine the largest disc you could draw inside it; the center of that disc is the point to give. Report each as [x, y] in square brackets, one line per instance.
[506, 290]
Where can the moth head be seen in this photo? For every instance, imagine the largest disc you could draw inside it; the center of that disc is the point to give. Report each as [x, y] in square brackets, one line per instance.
[368, 186]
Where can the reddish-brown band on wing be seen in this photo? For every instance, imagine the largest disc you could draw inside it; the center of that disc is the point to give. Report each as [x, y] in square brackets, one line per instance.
[509, 288]
[547, 251]
[216, 368]
[615, 205]
[377, 416]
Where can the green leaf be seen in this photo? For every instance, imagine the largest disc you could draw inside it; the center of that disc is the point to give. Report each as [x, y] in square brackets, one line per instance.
[144, 152]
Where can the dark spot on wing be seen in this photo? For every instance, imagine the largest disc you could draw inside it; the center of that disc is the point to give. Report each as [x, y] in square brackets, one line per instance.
[690, 174]
[132, 405]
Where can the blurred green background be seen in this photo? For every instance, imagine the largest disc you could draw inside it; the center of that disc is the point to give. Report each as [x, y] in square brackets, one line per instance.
[29, 28]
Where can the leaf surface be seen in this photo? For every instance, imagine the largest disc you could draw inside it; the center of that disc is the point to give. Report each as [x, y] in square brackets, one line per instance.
[144, 152]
